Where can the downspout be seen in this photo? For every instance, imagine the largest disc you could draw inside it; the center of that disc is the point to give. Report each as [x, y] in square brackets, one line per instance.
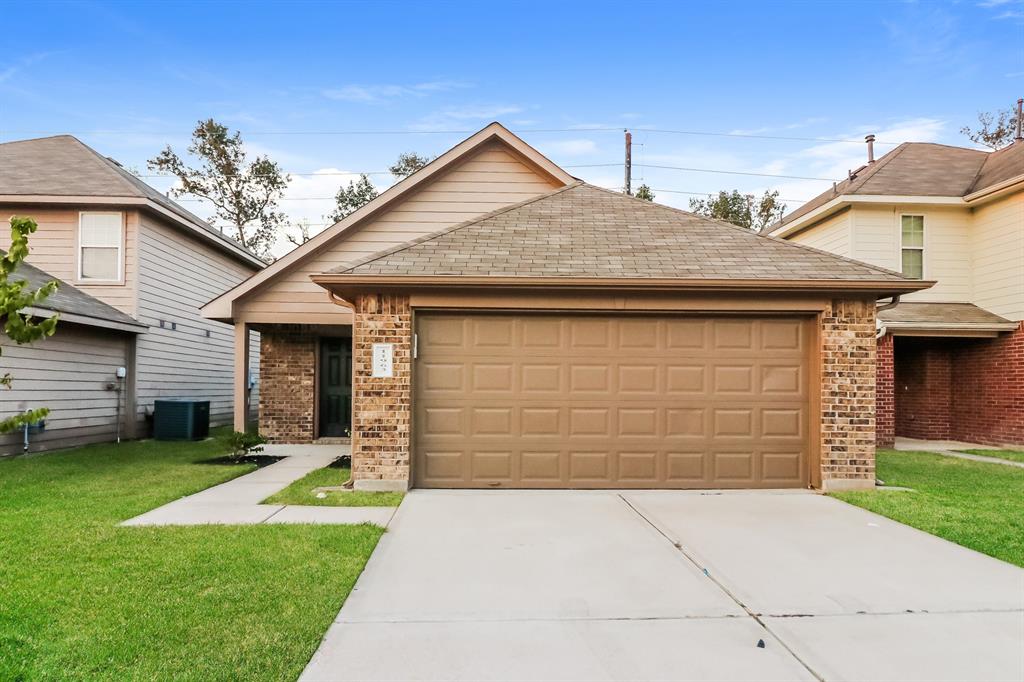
[880, 328]
[339, 301]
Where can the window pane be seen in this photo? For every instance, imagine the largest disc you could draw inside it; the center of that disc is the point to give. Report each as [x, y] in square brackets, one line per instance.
[100, 263]
[101, 229]
[913, 263]
[913, 230]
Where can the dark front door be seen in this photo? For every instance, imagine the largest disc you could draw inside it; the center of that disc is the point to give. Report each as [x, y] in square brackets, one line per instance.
[335, 387]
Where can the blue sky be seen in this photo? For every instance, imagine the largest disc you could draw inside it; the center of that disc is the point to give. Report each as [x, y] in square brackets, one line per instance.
[129, 78]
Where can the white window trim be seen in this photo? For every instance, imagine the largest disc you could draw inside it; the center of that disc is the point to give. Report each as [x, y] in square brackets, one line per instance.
[120, 250]
[924, 241]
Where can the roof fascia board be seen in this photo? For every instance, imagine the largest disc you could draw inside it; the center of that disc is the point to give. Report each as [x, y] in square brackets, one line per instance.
[74, 318]
[998, 189]
[336, 282]
[952, 326]
[850, 199]
[221, 307]
[137, 202]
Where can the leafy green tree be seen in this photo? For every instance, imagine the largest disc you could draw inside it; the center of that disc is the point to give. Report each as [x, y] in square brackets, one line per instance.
[352, 196]
[15, 296]
[742, 210]
[407, 164]
[644, 192]
[244, 193]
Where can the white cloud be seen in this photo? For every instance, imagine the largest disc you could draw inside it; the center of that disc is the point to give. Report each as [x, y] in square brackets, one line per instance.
[450, 117]
[372, 94]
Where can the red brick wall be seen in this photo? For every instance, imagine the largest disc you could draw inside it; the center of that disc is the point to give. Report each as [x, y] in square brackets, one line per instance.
[381, 407]
[961, 389]
[848, 394]
[885, 405]
[287, 384]
[988, 377]
[923, 388]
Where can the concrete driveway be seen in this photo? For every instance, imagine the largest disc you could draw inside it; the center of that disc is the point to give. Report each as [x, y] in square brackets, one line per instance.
[503, 585]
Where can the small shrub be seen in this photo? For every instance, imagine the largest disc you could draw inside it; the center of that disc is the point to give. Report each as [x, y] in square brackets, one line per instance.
[242, 444]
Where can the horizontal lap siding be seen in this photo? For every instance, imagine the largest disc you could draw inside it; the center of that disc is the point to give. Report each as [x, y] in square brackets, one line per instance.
[67, 373]
[998, 262]
[491, 179]
[54, 249]
[832, 235]
[178, 275]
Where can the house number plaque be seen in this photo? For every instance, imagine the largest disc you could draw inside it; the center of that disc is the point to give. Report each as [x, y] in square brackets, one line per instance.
[383, 359]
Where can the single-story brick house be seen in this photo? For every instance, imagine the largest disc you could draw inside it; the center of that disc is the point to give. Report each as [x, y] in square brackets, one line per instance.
[507, 325]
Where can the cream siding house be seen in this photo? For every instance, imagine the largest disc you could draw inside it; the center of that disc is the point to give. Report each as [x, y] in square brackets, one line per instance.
[954, 216]
[120, 243]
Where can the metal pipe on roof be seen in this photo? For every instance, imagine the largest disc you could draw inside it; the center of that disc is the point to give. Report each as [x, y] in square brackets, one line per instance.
[1020, 119]
[870, 139]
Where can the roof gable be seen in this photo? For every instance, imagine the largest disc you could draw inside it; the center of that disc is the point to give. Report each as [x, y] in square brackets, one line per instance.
[390, 199]
[583, 231]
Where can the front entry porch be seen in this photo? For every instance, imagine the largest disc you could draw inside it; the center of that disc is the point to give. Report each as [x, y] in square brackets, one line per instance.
[305, 382]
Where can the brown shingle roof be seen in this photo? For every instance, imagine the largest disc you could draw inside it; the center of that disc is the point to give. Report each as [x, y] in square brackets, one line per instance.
[940, 313]
[585, 231]
[1000, 166]
[68, 299]
[65, 166]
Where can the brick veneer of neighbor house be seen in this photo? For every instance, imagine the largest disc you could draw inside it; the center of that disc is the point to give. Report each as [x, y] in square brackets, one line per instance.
[287, 384]
[961, 389]
[848, 395]
[381, 406]
[885, 403]
[988, 379]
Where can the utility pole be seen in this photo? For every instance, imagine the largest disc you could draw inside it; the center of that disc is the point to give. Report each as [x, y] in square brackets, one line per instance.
[629, 163]
[1020, 122]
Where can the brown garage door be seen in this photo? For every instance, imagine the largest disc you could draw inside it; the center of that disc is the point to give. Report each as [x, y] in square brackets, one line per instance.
[543, 401]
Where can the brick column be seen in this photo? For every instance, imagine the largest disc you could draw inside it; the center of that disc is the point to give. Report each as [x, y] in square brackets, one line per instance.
[848, 395]
[381, 406]
[287, 384]
[885, 404]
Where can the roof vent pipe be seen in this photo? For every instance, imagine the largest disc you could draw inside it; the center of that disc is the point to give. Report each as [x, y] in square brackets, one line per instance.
[1020, 119]
[870, 139]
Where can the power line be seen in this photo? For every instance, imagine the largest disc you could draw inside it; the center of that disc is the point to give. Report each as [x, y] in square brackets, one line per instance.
[583, 129]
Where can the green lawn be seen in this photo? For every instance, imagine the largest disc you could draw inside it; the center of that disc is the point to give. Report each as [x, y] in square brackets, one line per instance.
[974, 504]
[301, 492]
[1012, 455]
[81, 598]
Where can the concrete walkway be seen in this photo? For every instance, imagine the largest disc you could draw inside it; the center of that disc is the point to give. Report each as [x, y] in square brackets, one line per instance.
[238, 501]
[952, 448]
[573, 585]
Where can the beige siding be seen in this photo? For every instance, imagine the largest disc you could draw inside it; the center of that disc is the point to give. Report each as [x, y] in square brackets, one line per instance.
[832, 235]
[54, 249]
[68, 373]
[489, 180]
[998, 257]
[178, 359]
[947, 253]
[876, 236]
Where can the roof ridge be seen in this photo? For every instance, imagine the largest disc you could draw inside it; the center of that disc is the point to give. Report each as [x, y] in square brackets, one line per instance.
[109, 166]
[752, 233]
[452, 228]
[981, 169]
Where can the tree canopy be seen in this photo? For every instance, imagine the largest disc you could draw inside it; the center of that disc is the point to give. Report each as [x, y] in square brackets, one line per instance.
[995, 129]
[244, 193]
[407, 164]
[353, 195]
[740, 209]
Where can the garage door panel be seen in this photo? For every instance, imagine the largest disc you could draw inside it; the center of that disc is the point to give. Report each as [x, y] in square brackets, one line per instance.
[631, 402]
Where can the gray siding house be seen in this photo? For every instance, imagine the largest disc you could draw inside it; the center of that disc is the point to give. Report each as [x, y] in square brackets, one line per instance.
[134, 268]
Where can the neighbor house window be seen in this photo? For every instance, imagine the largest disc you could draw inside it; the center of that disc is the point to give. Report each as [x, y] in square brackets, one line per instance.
[913, 246]
[99, 246]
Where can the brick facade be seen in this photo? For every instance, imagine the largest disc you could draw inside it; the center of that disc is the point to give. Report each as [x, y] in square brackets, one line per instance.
[961, 389]
[847, 335]
[885, 400]
[287, 384]
[381, 406]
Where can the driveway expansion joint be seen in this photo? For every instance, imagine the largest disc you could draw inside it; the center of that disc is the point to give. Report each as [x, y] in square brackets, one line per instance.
[682, 550]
